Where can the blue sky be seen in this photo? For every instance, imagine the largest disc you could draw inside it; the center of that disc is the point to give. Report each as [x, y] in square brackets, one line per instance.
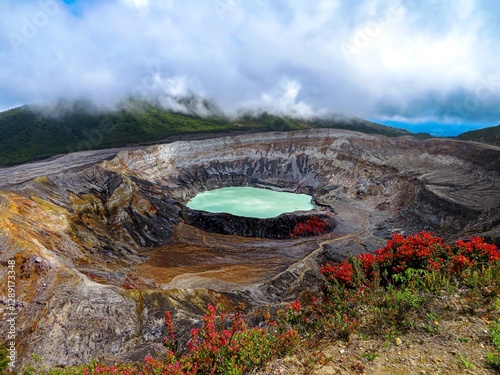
[438, 129]
[419, 64]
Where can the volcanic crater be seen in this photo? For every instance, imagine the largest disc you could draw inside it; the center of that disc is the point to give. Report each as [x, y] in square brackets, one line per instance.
[258, 217]
[104, 242]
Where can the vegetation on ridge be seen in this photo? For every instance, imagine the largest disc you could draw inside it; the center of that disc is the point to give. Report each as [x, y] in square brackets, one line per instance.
[489, 135]
[30, 133]
[413, 284]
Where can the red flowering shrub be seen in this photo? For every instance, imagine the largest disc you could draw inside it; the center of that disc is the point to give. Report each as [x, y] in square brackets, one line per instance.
[420, 251]
[223, 345]
[340, 271]
[296, 306]
[478, 251]
[106, 370]
[314, 226]
[170, 337]
[236, 349]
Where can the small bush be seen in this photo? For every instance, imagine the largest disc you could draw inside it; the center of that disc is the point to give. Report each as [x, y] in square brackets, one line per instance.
[224, 345]
[494, 358]
[4, 360]
[314, 226]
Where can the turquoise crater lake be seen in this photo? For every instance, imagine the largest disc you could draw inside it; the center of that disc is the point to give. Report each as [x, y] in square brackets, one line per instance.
[250, 202]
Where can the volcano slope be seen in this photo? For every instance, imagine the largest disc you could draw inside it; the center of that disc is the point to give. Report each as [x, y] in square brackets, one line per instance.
[103, 246]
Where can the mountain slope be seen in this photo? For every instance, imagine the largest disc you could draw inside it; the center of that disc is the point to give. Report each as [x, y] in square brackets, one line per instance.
[489, 135]
[31, 133]
[28, 133]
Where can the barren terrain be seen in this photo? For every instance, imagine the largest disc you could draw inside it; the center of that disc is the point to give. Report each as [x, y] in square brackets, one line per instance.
[102, 251]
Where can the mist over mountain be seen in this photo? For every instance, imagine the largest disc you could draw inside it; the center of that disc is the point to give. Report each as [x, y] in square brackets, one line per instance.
[407, 61]
[35, 132]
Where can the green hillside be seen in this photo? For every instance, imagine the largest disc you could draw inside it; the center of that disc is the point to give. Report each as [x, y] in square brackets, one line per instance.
[360, 125]
[31, 133]
[489, 135]
[28, 134]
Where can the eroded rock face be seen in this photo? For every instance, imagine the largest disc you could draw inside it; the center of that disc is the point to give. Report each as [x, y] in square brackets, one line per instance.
[103, 249]
[286, 225]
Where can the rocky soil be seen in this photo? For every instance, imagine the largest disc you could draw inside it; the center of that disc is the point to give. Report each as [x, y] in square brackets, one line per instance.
[455, 344]
[102, 250]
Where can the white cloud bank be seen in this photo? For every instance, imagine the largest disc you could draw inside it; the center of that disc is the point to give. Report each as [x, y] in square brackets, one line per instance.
[379, 59]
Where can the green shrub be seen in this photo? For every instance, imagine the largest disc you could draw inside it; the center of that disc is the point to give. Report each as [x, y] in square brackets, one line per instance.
[4, 360]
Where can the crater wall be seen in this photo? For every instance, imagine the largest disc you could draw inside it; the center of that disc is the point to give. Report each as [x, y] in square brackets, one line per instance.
[107, 241]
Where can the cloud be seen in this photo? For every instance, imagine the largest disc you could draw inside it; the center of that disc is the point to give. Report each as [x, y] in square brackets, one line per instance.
[378, 59]
[283, 100]
[137, 3]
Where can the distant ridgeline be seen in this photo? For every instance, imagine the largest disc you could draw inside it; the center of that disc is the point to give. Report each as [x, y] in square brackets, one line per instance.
[32, 133]
[489, 135]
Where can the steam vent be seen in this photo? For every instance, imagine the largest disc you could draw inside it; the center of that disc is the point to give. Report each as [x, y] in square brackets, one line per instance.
[108, 242]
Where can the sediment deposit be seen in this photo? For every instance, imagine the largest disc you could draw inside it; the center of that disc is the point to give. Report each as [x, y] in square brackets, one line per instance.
[104, 246]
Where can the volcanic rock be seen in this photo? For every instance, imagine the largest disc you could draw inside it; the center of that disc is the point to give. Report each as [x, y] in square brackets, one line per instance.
[103, 243]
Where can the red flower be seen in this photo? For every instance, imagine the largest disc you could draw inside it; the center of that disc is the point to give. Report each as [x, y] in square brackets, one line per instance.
[340, 271]
[170, 327]
[314, 226]
[367, 260]
[296, 306]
